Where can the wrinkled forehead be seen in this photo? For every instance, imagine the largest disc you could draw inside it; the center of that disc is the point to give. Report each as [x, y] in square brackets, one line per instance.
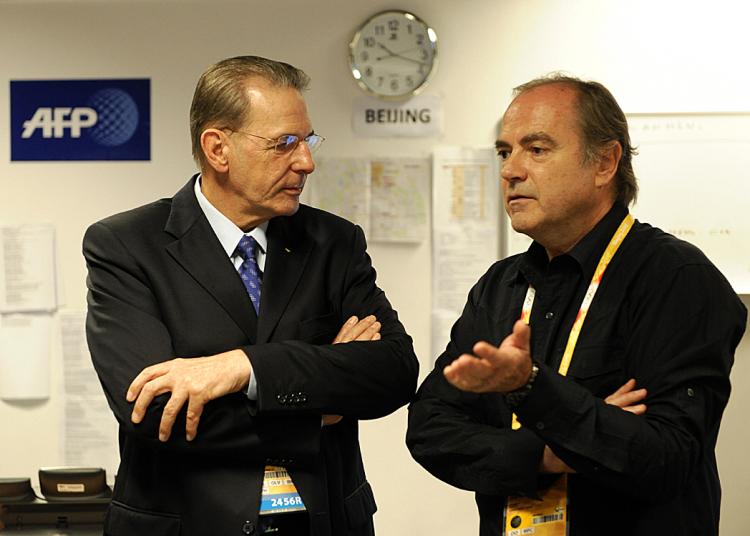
[272, 103]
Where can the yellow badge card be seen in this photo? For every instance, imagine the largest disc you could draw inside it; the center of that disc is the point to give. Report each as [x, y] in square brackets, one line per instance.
[546, 517]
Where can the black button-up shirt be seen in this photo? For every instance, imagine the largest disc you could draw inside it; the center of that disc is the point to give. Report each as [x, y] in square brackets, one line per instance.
[663, 315]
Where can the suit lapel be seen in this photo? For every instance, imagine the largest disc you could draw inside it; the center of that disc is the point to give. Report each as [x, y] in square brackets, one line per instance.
[198, 251]
[288, 252]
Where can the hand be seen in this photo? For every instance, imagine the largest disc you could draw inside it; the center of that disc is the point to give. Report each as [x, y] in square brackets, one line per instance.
[329, 420]
[551, 463]
[354, 329]
[196, 380]
[626, 396]
[502, 369]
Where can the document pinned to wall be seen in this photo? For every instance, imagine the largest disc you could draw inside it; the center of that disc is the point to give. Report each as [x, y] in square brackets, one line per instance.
[466, 230]
[89, 430]
[693, 172]
[399, 190]
[27, 268]
[25, 356]
[387, 197]
[342, 186]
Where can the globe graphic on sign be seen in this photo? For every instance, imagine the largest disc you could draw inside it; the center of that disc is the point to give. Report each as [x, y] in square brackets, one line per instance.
[117, 117]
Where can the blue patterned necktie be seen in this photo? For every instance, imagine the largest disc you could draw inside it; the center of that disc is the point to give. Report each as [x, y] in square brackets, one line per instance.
[249, 271]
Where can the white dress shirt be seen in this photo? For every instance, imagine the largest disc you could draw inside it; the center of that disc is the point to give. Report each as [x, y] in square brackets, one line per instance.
[229, 236]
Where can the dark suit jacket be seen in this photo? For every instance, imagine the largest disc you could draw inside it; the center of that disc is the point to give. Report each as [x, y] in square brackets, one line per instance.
[161, 286]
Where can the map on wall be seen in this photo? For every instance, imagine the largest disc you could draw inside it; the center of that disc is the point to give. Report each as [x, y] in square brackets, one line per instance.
[694, 176]
[387, 197]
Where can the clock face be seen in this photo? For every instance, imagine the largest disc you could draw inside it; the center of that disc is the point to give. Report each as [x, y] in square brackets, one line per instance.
[393, 54]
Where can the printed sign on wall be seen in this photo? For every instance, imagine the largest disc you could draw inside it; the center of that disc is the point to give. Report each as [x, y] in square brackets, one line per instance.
[80, 119]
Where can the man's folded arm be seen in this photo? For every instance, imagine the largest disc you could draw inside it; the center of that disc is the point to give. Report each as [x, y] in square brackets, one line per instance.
[359, 379]
[651, 456]
[126, 334]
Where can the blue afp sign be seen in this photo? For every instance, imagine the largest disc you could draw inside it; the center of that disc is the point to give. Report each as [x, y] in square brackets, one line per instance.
[80, 119]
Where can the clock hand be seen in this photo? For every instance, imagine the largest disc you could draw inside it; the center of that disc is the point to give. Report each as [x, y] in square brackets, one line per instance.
[405, 51]
[392, 54]
[401, 57]
[397, 55]
[381, 45]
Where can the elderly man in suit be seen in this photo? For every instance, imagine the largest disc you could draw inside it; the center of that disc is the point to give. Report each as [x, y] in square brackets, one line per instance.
[217, 322]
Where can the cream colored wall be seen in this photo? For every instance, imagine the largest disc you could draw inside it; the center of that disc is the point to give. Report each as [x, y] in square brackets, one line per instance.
[667, 56]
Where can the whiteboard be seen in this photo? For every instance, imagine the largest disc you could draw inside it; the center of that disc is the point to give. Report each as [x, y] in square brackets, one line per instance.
[694, 176]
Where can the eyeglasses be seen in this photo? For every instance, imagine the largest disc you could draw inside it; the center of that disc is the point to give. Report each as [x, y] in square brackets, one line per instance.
[287, 143]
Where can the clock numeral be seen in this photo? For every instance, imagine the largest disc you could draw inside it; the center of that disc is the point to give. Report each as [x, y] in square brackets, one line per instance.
[380, 80]
[393, 25]
[393, 37]
[409, 81]
[369, 42]
[408, 28]
[420, 39]
[425, 54]
[394, 85]
[368, 72]
[365, 55]
[379, 29]
[422, 68]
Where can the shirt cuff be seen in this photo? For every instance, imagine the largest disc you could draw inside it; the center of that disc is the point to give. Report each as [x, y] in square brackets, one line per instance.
[252, 388]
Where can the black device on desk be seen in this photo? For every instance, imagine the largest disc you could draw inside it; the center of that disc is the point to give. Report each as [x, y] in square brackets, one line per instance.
[75, 500]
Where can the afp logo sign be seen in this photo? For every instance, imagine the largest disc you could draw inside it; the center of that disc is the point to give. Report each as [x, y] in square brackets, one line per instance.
[80, 119]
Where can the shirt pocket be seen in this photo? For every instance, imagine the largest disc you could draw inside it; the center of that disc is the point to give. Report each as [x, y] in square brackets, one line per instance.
[598, 368]
[124, 520]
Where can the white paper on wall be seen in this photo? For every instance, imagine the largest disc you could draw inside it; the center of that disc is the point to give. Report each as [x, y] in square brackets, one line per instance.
[465, 229]
[25, 356]
[399, 203]
[89, 429]
[27, 268]
[342, 186]
[694, 176]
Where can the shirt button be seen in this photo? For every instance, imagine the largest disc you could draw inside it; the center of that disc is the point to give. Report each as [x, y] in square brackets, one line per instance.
[549, 316]
[690, 392]
[540, 426]
[248, 528]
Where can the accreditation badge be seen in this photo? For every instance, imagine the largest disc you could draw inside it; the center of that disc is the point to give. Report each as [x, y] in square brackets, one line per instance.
[280, 495]
[546, 517]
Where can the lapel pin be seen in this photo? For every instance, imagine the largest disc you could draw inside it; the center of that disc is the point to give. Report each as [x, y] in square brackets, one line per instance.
[287, 250]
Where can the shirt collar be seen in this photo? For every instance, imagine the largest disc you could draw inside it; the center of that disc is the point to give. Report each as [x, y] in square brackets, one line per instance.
[226, 231]
[586, 253]
[589, 250]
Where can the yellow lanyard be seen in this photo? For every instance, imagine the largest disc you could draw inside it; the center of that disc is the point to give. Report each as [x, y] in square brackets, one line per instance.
[575, 331]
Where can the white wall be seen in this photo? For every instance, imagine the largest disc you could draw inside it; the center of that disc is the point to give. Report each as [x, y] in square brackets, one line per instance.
[667, 56]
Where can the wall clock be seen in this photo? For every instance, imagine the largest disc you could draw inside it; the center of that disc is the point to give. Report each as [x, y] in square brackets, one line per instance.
[393, 54]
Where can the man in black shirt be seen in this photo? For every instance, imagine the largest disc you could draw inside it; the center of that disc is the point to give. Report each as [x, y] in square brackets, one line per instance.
[599, 409]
